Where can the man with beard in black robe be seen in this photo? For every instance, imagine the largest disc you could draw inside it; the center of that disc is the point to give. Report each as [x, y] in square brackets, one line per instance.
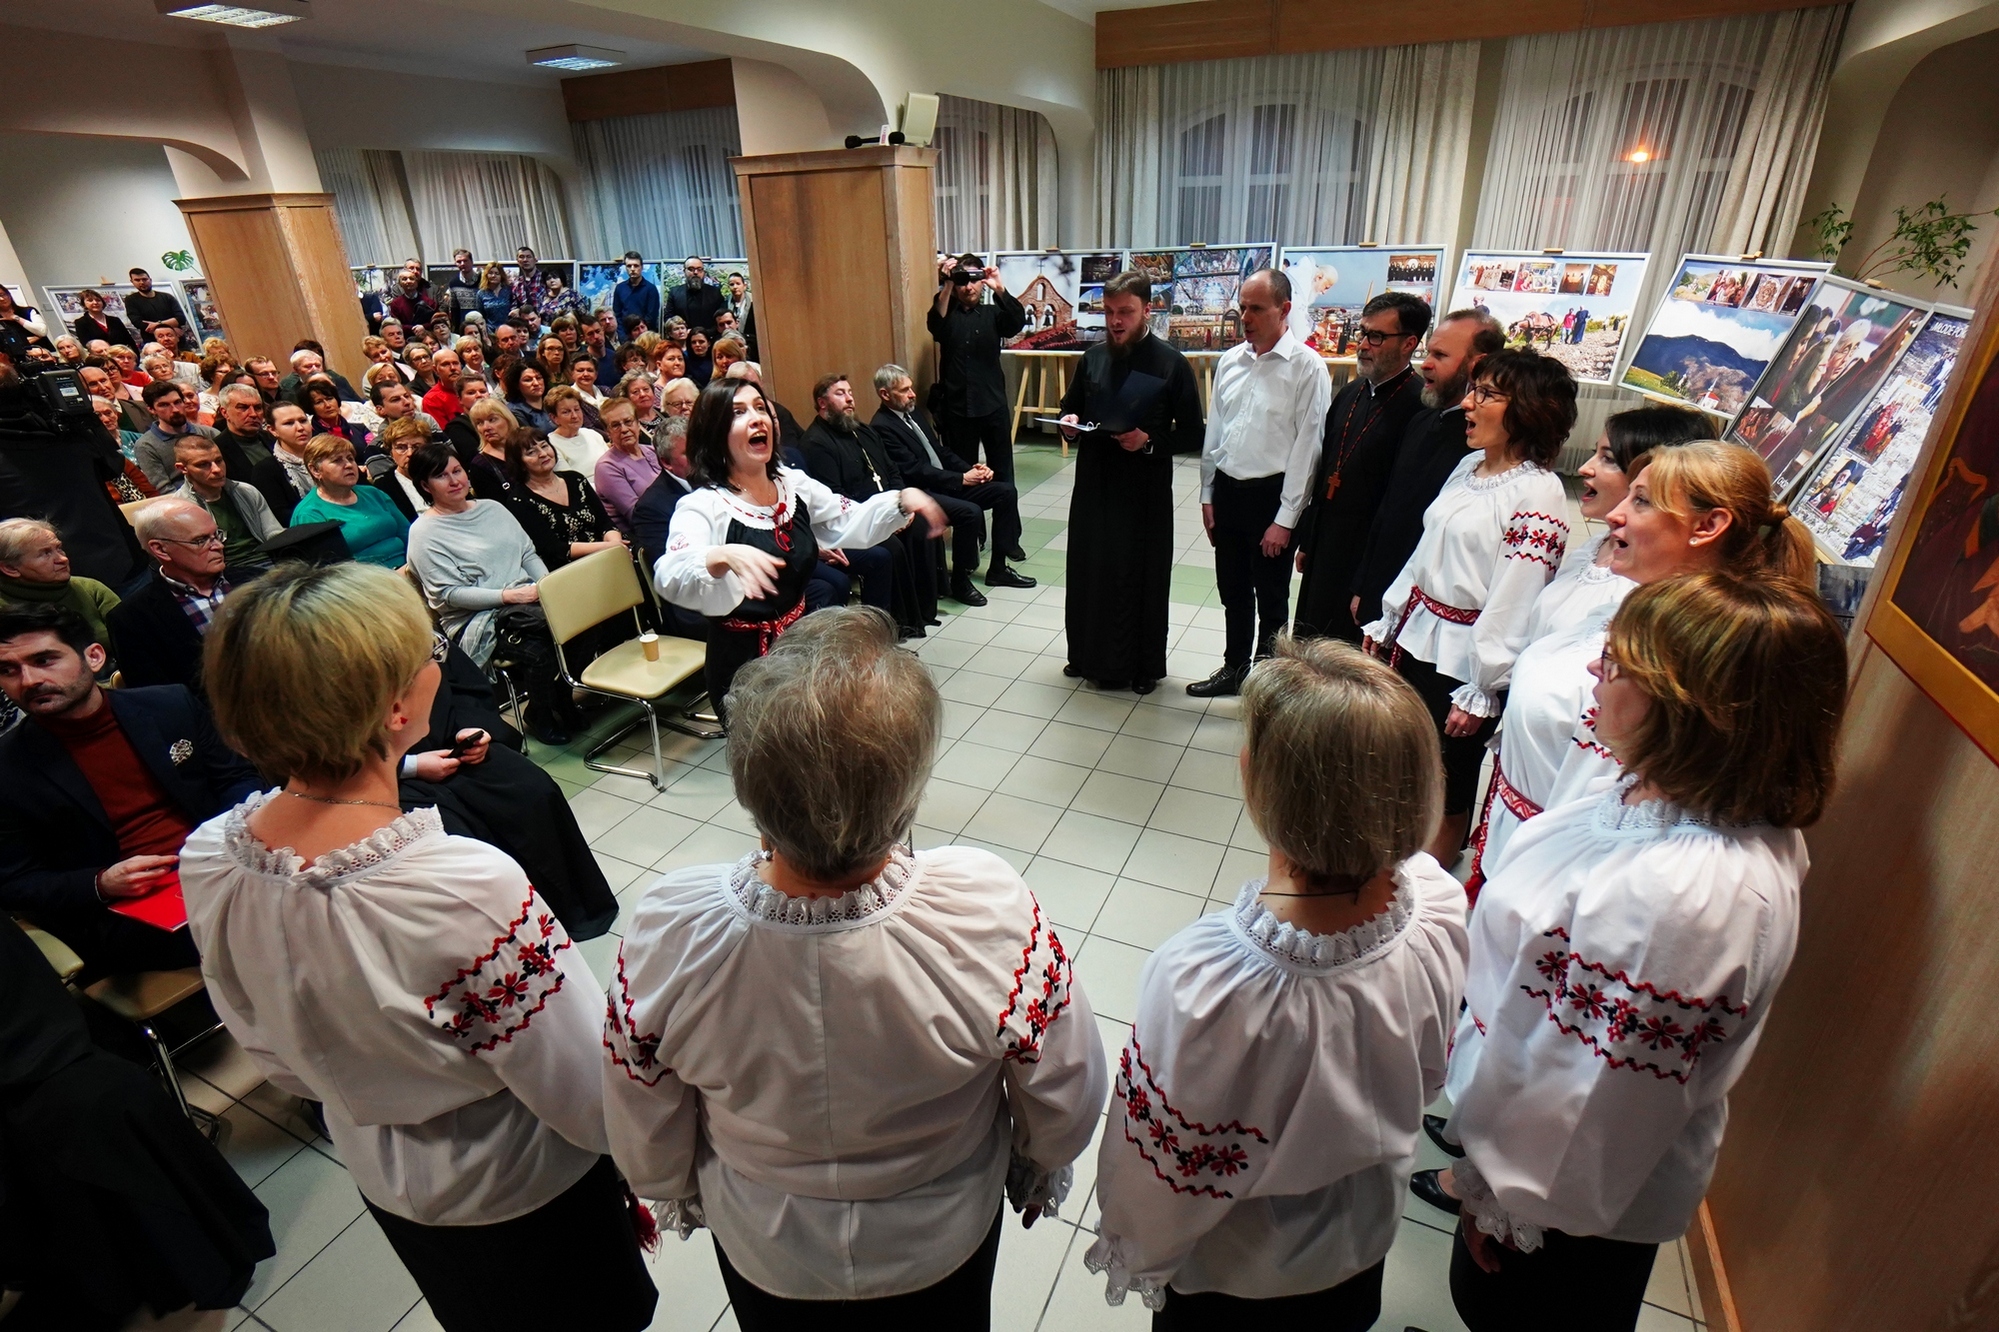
[1138, 395]
[1363, 428]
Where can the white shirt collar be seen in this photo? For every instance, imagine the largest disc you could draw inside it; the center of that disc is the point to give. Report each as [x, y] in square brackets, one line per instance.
[1287, 346]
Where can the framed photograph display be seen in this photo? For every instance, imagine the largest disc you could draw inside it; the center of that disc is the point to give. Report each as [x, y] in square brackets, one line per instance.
[1937, 615]
[1717, 328]
[1330, 284]
[197, 297]
[1847, 338]
[1050, 284]
[1194, 291]
[1853, 492]
[673, 272]
[65, 306]
[368, 281]
[595, 282]
[1576, 308]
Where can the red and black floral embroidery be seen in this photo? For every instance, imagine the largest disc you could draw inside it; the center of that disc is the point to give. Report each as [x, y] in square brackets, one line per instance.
[634, 1051]
[1539, 537]
[1627, 1022]
[1181, 1152]
[494, 997]
[1585, 737]
[1040, 994]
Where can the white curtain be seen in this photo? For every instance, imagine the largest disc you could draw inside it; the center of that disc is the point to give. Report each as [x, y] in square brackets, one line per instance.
[660, 184]
[1422, 131]
[371, 199]
[490, 203]
[996, 179]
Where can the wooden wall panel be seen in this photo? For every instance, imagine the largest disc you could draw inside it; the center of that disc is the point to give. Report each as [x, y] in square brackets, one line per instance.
[1221, 29]
[639, 92]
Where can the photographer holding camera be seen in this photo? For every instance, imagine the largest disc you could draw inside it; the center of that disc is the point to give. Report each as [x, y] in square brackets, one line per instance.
[969, 398]
[54, 460]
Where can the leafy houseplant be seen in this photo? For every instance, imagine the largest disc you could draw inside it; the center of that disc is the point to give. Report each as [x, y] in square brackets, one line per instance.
[1930, 241]
[178, 261]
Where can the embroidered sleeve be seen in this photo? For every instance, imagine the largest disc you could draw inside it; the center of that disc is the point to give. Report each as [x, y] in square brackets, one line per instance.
[634, 1051]
[1052, 1061]
[494, 997]
[1540, 538]
[1530, 550]
[1042, 984]
[681, 573]
[651, 1116]
[1185, 1155]
[1630, 1024]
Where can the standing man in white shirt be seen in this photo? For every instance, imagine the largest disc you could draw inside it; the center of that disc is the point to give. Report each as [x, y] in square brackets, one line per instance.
[1262, 448]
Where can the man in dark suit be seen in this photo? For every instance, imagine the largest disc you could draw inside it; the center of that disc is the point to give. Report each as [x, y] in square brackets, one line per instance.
[157, 631]
[98, 790]
[697, 300]
[652, 515]
[899, 574]
[963, 490]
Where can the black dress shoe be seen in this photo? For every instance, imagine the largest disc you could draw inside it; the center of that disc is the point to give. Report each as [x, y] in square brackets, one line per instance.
[546, 727]
[1072, 672]
[1425, 1186]
[1434, 1126]
[1144, 686]
[962, 590]
[1001, 576]
[1014, 552]
[1224, 683]
[905, 632]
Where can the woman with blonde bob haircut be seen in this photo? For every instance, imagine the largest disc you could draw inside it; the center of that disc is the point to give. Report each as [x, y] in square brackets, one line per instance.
[1309, 1024]
[1627, 949]
[838, 1055]
[411, 981]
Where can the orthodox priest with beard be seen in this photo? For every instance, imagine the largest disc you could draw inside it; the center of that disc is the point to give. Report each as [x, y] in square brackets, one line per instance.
[1136, 398]
[1363, 428]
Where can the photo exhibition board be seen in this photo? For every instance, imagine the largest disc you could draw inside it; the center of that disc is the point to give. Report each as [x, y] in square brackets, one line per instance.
[1851, 497]
[670, 273]
[1194, 291]
[1063, 292]
[1331, 284]
[1847, 338]
[1718, 326]
[65, 303]
[197, 297]
[1576, 308]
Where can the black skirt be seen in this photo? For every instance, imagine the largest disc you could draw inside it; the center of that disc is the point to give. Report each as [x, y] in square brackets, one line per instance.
[961, 1302]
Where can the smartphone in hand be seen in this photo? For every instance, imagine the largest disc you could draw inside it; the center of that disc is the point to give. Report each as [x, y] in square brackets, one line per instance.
[465, 743]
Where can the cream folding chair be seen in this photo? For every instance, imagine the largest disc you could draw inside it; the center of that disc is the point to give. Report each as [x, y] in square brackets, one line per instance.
[586, 593]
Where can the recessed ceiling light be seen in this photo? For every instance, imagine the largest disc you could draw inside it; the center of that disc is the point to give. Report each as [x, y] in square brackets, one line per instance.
[263, 14]
[575, 57]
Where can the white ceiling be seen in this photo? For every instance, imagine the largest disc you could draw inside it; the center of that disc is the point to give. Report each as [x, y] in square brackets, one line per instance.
[1087, 10]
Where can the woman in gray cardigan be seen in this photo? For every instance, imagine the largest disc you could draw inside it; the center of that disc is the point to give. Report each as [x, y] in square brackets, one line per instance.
[479, 574]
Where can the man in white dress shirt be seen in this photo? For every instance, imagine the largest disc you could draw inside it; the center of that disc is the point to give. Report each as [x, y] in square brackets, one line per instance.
[1262, 448]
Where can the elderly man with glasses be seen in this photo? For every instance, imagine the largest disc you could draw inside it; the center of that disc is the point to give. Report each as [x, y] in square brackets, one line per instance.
[157, 631]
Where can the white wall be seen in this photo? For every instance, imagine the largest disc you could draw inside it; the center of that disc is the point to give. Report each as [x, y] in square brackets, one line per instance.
[346, 107]
[96, 207]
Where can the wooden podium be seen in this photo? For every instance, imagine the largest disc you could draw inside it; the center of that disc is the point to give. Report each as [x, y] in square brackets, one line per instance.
[842, 245]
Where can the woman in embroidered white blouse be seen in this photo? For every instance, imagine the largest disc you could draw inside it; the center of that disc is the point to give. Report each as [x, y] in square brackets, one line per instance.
[412, 982]
[1270, 1092]
[1627, 949]
[835, 1054]
[1456, 616]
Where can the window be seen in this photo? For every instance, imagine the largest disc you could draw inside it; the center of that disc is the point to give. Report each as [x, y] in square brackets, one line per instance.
[1203, 150]
[1272, 141]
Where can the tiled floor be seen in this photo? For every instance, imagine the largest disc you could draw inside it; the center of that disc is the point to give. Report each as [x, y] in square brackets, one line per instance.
[1125, 816]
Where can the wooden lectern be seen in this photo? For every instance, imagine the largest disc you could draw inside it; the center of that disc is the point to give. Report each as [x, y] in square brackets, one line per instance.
[279, 273]
[842, 246]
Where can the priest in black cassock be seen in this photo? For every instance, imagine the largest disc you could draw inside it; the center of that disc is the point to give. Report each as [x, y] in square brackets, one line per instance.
[1363, 428]
[1138, 395]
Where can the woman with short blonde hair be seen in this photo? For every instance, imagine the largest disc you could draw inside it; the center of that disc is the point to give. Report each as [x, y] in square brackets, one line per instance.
[374, 528]
[838, 1055]
[1626, 953]
[412, 982]
[1308, 1026]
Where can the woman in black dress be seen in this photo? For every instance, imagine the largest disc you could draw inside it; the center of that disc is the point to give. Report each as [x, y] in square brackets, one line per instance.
[558, 510]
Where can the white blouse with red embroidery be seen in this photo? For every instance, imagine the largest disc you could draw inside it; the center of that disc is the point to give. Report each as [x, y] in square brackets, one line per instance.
[701, 521]
[417, 986]
[1271, 1094]
[1551, 687]
[1623, 960]
[841, 1089]
[1461, 603]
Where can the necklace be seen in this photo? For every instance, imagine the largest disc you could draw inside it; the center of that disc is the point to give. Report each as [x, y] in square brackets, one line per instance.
[1379, 396]
[329, 800]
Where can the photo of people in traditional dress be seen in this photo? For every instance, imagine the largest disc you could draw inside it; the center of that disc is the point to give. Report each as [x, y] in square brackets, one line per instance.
[1582, 324]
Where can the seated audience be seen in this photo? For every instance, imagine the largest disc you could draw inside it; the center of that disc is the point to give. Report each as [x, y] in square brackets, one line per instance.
[1627, 950]
[240, 434]
[411, 305]
[242, 514]
[155, 450]
[101, 380]
[870, 1172]
[440, 399]
[453, 1115]
[459, 431]
[127, 359]
[216, 374]
[156, 632]
[283, 479]
[416, 357]
[652, 518]
[552, 357]
[526, 386]
[69, 351]
[321, 397]
[34, 571]
[725, 353]
[375, 530]
[577, 446]
[400, 439]
[392, 401]
[130, 483]
[264, 374]
[963, 490]
[493, 424]
[846, 457]
[1319, 1009]
[630, 465]
[556, 508]
[56, 470]
[94, 325]
[789, 432]
[479, 574]
[308, 360]
[676, 397]
[700, 366]
[98, 789]
[583, 379]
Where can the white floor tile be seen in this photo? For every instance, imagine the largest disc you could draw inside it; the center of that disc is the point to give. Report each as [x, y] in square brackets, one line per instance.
[222, 1064]
[1211, 818]
[1415, 1290]
[971, 685]
[1078, 1302]
[1047, 670]
[1169, 860]
[1005, 661]
[1088, 707]
[1144, 915]
[598, 811]
[1035, 700]
[645, 836]
[1114, 796]
[1068, 743]
[1133, 756]
[1070, 895]
[1109, 971]
[1043, 779]
[971, 764]
[1219, 735]
[691, 1294]
[254, 1146]
[311, 1201]
[1006, 730]
[1025, 1274]
[355, 1284]
[1091, 841]
[710, 844]
[1217, 774]
[1238, 867]
[1668, 1285]
[1167, 725]
[1013, 822]
[947, 652]
[949, 806]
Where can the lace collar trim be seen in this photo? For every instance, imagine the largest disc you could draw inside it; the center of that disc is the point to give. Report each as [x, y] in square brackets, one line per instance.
[1613, 815]
[347, 862]
[1526, 467]
[757, 513]
[1323, 952]
[1592, 572]
[858, 906]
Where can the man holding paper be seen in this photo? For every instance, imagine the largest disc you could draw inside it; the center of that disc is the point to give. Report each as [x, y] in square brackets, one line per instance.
[98, 789]
[1132, 405]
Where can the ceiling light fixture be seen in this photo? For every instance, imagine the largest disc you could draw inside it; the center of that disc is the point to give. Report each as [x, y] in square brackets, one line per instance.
[262, 14]
[1638, 155]
[575, 57]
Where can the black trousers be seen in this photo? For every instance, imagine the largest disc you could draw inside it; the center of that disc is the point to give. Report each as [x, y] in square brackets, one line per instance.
[1255, 588]
[964, 435]
[961, 1302]
[1596, 1284]
[1463, 754]
[1004, 500]
[967, 514]
[572, 1262]
[1351, 1306]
